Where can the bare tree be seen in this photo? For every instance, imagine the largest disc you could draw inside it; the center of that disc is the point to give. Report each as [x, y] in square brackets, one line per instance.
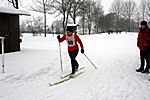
[38, 24]
[90, 12]
[30, 27]
[15, 3]
[89, 16]
[97, 13]
[42, 6]
[82, 14]
[57, 26]
[101, 23]
[148, 9]
[137, 18]
[143, 9]
[129, 10]
[35, 26]
[117, 8]
[63, 7]
[75, 10]
[23, 27]
[109, 22]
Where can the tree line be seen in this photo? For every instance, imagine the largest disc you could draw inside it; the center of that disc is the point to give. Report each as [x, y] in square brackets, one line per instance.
[89, 14]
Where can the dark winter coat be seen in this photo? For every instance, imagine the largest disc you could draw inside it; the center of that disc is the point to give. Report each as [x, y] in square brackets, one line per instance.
[143, 40]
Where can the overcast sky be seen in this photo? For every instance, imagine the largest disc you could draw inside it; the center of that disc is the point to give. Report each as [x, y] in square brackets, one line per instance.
[106, 5]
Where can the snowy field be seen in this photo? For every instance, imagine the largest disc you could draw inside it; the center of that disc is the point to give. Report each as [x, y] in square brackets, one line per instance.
[29, 71]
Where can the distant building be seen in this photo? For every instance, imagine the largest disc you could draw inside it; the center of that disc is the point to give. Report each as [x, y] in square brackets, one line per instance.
[9, 28]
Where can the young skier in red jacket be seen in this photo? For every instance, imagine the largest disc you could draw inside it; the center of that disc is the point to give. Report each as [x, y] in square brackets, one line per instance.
[143, 43]
[72, 40]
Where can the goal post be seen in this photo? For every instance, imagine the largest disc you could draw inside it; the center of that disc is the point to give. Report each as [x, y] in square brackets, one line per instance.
[2, 46]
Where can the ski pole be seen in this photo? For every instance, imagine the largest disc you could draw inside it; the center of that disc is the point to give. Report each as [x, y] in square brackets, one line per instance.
[90, 61]
[60, 57]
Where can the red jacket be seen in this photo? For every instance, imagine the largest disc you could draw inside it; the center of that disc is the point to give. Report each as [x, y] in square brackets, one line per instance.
[72, 41]
[143, 39]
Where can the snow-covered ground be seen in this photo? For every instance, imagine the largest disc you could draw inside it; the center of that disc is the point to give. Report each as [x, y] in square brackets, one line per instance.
[29, 71]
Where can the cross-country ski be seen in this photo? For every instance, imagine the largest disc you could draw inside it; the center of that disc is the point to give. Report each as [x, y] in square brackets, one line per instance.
[63, 76]
[64, 79]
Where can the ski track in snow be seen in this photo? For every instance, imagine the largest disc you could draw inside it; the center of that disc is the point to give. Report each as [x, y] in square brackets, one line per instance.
[116, 57]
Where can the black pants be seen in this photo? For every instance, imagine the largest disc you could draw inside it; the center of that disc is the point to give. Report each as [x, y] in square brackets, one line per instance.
[145, 56]
[74, 63]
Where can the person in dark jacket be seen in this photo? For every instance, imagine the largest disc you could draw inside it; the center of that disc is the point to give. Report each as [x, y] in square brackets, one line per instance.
[143, 43]
[73, 49]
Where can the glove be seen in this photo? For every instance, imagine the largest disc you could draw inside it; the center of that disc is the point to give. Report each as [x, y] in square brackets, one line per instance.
[58, 37]
[82, 50]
